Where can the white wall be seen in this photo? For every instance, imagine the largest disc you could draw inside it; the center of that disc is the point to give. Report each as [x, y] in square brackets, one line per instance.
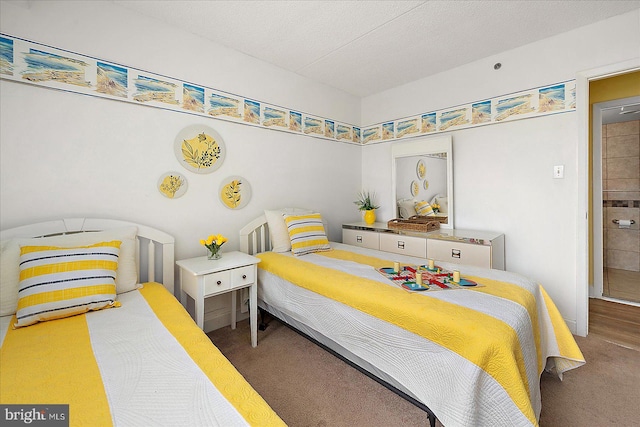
[503, 172]
[128, 146]
[64, 154]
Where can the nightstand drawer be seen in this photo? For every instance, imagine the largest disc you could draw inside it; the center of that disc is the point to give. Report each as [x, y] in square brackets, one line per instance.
[242, 276]
[217, 282]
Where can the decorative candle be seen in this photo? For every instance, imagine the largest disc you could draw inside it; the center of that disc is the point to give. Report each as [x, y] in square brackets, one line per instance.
[431, 265]
[419, 278]
[396, 267]
[456, 276]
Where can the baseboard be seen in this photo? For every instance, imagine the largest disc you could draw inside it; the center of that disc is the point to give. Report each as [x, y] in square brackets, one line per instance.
[572, 324]
[213, 321]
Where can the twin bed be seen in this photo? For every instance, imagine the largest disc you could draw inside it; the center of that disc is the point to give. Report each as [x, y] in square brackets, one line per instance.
[470, 356]
[140, 361]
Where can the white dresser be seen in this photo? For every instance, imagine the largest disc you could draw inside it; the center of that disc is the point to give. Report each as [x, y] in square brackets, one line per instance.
[471, 247]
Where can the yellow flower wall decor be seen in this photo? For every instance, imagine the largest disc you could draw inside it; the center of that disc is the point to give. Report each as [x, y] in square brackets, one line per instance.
[235, 192]
[415, 188]
[421, 169]
[172, 185]
[199, 149]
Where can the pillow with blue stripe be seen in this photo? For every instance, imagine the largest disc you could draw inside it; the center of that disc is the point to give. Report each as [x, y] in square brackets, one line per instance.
[306, 233]
[58, 282]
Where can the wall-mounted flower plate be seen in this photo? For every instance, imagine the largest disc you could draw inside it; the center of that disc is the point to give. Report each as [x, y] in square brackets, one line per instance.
[172, 185]
[199, 149]
[234, 192]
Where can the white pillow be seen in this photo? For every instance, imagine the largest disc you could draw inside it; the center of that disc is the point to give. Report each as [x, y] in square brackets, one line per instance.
[278, 232]
[126, 276]
[406, 208]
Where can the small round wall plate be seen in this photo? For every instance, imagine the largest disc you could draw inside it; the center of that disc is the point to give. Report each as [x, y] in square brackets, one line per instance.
[415, 188]
[426, 184]
[421, 169]
[172, 185]
[199, 149]
[234, 192]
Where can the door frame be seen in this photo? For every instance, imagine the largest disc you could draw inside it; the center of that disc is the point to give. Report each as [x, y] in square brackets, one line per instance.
[596, 291]
[582, 203]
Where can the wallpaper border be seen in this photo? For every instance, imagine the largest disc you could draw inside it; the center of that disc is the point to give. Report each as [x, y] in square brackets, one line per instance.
[46, 66]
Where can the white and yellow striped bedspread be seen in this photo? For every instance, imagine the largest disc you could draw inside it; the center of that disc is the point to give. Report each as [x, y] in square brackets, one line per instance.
[144, 363]
[474, 356]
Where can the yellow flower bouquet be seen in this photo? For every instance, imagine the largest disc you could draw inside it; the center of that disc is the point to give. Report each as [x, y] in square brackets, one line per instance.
[213, 244]
[435, 207]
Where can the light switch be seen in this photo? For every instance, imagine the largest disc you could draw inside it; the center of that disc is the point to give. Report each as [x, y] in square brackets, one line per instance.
[558, 171]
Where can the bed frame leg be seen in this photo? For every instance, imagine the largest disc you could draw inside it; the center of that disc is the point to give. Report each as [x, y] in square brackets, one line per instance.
[263, 324]
[432, 419]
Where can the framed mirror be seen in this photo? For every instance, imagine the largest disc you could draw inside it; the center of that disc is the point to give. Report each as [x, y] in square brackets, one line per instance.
[422, 171]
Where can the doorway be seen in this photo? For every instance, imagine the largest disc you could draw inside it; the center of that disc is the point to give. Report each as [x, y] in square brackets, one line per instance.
[616, 200]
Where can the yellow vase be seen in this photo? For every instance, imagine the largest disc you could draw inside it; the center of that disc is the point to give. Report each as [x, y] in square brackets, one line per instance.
[370, 216]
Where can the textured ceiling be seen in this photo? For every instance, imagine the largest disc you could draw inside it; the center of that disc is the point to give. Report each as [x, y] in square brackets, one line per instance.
[365, 47]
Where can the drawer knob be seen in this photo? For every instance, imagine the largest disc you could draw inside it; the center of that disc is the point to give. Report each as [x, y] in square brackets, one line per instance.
[244, 276]
[219, 282]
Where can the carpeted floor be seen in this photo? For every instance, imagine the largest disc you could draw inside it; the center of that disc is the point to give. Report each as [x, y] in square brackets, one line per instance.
[307, 386]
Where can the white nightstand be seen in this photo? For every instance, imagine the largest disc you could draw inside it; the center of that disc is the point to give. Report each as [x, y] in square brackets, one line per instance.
[201, 278]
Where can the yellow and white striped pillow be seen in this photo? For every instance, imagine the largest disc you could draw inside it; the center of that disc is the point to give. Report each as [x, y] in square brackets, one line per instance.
[424, 209]
[306, 233]
[59, 282]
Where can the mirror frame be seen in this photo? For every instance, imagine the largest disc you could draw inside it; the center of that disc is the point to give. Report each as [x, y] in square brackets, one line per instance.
[421, 147]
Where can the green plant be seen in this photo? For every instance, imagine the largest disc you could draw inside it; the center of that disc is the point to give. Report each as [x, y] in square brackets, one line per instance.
[365, 201]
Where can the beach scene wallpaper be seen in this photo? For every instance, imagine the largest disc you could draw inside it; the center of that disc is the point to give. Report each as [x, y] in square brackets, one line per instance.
[356, 135]
[481, 112]
[343, 132]
[313, 125]
[372, 134]
[329, 128]
[112, 80]
[551, 99]
[295, 121]
[514, 106]
[6, 56]
[429, 123]
[150, 89]
[274, 117]
[388, 131]
[45, 66]
[49, 67]
[455, 118]
[222, 105]
[192, 98]
[251, 111]
[407, 127]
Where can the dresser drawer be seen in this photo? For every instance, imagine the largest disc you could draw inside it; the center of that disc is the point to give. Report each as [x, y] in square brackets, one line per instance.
[217, 282]
[364, 239]
[404, 245]
[459, 253]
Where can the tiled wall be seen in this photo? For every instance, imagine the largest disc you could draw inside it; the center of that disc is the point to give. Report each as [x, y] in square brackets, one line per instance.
[621, 194]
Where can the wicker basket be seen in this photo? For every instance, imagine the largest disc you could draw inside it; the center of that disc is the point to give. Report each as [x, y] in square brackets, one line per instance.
[415, 223]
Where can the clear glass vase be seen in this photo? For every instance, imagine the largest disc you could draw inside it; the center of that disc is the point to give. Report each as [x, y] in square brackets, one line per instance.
[214, 253]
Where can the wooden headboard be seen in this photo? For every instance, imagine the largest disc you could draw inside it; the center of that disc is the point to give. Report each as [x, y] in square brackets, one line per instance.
[154, 251]
[254, 237]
